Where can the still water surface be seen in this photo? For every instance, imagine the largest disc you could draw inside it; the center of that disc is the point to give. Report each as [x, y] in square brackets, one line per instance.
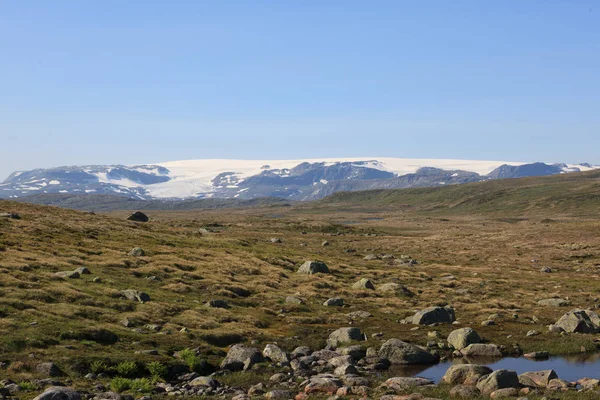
[569, 368]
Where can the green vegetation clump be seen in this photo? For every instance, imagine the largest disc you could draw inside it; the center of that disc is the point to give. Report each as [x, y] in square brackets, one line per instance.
[126, 369]
[157, 370]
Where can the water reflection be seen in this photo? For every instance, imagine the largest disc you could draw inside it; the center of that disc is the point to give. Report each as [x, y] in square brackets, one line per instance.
[570, 368]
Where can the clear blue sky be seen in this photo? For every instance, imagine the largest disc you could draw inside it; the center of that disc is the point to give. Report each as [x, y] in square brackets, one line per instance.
[85, 82]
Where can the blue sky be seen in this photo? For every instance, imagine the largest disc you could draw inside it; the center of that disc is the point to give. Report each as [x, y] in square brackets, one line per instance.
[148, 81]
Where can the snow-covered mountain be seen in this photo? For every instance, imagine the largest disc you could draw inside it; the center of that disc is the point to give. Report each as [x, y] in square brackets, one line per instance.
[249, 179]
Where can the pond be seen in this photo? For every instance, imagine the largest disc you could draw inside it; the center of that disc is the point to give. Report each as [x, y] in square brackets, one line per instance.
[569, 368]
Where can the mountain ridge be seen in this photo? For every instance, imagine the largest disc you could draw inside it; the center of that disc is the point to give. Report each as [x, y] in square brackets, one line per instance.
[297, 180]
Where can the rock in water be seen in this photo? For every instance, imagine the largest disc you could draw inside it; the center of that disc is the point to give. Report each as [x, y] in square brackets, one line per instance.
[464, 374]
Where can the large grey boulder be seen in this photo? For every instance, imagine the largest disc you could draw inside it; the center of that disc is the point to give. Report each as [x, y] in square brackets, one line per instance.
[239, 357]
[400, 384]
[276, 355]
[397, 351]
[138, 216]
[49, 370]
[554, 302]
[464, 392]
[135, 295]
[344, 335]
[395, 289]
[500, 379]
[215, 303]
[481, 350]
[580, 321]
[364, 283]
[137, 252]
[67, 274]
[313, 267]
[323, 383]
[434, 315]
[205, 381]
[461, 338]
[334, 302]
[539, 379]
[59, 393]
[465, 374]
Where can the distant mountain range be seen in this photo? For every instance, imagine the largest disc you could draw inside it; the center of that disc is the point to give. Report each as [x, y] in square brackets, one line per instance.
[252, 179]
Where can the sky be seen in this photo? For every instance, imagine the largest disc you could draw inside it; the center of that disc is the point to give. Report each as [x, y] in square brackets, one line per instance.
[129, 82]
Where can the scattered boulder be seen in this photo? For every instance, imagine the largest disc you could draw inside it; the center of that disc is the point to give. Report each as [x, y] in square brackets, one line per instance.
[371, 257]
[465, 374]
[206, 381]
[334, 302]
[504, 393]
[464, 392]
[554, 302]
[276, 355]
[397, 351]
[275, 240]
[359, 315]
[59, 393]
[364, 283]
[396, 289]
[344, 336]
[580, 321]
[400, 384]
[135, 295]
[556, 385]
[537, 355]
[217, 304]
[461, 338]
[67, 274]
[539, 379]
[499, 379]
[137, 252]
[325, 243]
[481, 350]
[83, 271]
[293, 300]
[434, 315]
[301, 351]
[323, 383]
[10, 215]
[239, 357]
[279, 394]
[49, 370]
[138, 216]
[313, 267]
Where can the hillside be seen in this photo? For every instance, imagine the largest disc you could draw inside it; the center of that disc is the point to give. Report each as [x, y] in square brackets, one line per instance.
[573, 193]
[213, 278]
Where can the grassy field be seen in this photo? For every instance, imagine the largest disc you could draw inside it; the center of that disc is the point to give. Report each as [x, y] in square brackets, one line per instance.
[480, 249]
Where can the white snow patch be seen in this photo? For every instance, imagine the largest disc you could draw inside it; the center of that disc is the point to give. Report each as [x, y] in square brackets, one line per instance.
[54, 182]
[324, 181]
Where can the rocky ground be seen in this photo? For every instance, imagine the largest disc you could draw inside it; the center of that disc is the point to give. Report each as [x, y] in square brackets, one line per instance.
[287, 303]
